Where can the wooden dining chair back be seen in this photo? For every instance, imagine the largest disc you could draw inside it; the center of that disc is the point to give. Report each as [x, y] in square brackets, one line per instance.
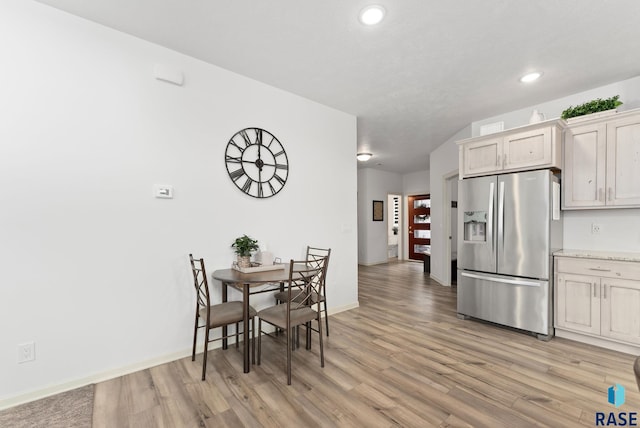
[299, 308]
[209, 316]
[317, 258]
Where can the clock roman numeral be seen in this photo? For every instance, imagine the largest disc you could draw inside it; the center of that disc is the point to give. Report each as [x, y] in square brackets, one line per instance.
[273, 190]
[282, 166]
[247, 185]
[280, 179]
[270, 142]
[234, 159]
[236, 174]
[260, 190]
[245, 137]
[237, 146]
[258, 136]
[275, 155]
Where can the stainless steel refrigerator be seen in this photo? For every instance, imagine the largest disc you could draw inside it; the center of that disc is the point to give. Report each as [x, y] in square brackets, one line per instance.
[508, 227]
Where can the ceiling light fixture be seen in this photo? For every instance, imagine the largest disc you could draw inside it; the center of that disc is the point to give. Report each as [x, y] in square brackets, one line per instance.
[527, 78]
[372, 15]
[363, 157]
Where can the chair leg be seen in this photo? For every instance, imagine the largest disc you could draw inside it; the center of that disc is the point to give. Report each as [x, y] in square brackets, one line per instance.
[195, 337]
[320, 340]
[204, 355]
[259, 339]
[289, 337]
[253, 340]
[326, 316]
[237, 325]
[308, 335]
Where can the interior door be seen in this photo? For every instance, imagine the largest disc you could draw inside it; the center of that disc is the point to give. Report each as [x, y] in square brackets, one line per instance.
[419, 213]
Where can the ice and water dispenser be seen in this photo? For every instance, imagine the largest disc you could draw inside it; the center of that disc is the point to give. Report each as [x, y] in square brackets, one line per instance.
[475, 226]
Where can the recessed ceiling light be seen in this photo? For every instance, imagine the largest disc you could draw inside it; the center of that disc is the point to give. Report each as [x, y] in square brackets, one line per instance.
[372, 15]
[363, 157]
[530, 77]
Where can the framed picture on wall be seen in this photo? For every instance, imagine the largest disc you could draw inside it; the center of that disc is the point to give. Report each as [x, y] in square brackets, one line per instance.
[378, 210]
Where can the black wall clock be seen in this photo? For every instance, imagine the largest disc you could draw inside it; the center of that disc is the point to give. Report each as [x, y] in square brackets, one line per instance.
[256, 162]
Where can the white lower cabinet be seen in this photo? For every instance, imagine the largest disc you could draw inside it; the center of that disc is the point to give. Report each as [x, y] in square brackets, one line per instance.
[578, 302]
[620, 310]
[598, 299]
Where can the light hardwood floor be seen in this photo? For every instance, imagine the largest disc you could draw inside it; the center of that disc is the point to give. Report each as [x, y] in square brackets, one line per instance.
[401, 359]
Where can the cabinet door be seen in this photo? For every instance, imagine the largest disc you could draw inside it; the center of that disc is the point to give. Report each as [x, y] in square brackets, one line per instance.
[578, 302]
[529, 149]
[585, 150]
[621, 309]
[623, 161]
[481, 157]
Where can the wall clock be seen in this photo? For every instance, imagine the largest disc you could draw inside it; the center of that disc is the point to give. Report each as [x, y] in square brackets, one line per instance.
[256, 162]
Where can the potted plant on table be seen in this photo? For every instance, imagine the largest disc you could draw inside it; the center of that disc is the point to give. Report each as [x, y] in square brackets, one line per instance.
[243, 246]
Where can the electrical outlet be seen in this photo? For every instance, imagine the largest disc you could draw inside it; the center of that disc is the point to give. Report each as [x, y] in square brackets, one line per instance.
[595, 229]
[26, 352]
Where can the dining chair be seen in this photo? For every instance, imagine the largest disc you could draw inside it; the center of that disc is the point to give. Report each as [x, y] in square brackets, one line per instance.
[299, 308]
[315, 257]
[213, 316]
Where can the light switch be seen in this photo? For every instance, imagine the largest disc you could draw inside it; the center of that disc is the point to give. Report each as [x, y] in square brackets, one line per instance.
[163, 191]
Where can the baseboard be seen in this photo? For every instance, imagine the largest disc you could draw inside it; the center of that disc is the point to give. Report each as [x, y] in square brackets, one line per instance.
[124, 370]
[333, 311]
[382, 262]
[600, 342]
[438, 280]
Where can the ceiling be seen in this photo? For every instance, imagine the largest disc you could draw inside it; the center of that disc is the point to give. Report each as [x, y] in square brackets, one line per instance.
[427, 71]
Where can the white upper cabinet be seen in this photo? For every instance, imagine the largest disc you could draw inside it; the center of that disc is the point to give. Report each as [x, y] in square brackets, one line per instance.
[526, 148]
[623, 161]
[602, 163]
[584, 166]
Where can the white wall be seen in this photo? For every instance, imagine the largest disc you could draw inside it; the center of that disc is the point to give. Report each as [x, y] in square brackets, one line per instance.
[620, 227]
[416, 183]
[92, 267]
[374, 185]
[444, 162]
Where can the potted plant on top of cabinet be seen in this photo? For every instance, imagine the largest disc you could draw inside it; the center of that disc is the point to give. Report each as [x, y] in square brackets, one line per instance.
[604, 107]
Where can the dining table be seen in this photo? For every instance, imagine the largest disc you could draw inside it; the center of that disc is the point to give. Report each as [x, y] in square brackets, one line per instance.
[248, 283]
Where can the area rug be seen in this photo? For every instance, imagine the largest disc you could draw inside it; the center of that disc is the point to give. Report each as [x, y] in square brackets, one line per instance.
[70, 409]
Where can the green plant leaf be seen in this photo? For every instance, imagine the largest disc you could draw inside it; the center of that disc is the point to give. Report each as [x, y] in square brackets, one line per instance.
[592, 106]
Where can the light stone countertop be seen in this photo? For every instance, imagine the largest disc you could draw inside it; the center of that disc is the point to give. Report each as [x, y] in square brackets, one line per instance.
[602, 255]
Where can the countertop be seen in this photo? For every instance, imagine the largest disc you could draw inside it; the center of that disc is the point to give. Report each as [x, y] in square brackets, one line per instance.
[602, 255]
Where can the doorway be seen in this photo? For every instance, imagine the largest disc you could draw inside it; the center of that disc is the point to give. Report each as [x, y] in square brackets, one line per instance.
[419, 219]
[450, 204]
[394, 237]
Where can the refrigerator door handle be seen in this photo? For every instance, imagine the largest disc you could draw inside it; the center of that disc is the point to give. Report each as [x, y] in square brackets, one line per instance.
[501, 211]
[502, 280]
[490, 219]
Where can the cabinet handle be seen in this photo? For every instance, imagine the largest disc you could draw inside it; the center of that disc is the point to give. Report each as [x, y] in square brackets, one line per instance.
[600, 269]
[594, 289]
[504, 161]
[605, 291]
[600, 195]
[610, 194]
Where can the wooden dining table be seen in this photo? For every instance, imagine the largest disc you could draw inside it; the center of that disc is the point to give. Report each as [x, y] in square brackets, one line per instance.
[245, 282]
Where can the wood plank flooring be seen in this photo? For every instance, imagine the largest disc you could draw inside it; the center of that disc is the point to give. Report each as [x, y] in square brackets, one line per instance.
[402, 359]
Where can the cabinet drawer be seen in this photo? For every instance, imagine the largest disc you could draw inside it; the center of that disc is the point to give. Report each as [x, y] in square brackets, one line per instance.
[599, 267]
